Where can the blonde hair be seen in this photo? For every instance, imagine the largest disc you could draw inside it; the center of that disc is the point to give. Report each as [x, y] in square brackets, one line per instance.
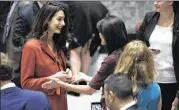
[4, 60]
[137, 61]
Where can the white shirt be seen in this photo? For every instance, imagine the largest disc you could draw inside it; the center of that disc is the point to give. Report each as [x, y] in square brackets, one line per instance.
[40, 4]
[161, 38]
[8, 86]
[128, 105]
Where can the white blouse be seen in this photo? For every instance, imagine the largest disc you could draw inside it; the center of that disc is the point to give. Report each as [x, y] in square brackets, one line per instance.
[161, 38]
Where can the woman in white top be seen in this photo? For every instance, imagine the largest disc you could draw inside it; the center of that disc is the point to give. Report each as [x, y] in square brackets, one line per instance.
[160, 31]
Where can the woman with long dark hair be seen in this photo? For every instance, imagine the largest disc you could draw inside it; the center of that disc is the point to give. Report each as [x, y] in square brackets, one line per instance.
[43, 55]
[113, 34]
[160, 31]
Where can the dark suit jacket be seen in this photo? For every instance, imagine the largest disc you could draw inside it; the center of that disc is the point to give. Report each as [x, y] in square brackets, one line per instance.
[5, 6]
[14, 98]
[23, 16]
[146, 29]
[133, 107]
[23, 23]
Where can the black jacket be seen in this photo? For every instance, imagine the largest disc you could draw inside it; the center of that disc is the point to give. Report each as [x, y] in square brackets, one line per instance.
[5, 6]
[147, 27]
[133, 107]
[23, 23]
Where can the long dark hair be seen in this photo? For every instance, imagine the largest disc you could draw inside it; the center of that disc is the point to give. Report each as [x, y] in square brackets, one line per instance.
[114, 32]
[40, 25]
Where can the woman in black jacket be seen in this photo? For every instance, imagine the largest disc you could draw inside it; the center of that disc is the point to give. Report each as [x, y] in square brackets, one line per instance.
[160, 31]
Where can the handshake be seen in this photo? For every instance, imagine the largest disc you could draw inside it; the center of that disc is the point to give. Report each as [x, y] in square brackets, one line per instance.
[60, 78]
[65, 76]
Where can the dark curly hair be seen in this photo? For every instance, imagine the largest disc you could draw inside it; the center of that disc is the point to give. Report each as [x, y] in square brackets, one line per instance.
[6, 70]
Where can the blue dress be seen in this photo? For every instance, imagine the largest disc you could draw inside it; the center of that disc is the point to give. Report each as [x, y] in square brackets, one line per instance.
[148, 96]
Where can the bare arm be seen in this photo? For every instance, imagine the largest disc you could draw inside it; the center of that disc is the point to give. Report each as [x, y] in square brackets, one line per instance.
[96, 82]
[85, 89]
[175, 104]
[75, 62]
[160, 103]
[55, 83]
[88, 78]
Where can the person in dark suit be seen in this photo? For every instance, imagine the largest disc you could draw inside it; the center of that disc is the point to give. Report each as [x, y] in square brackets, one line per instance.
[118, 92]
[14, 98]
[22, 24]
[160, 31]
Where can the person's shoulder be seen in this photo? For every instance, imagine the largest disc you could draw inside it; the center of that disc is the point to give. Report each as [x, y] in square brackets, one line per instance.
[133, 107]
[117, 52]
[151, 14]
[27, 10]
[36, 98]
[115, 55]
[32, 43]
[34, 95]
[154, 88]
[154, 85]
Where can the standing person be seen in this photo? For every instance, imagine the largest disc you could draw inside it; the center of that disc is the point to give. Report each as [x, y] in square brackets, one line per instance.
[113, 34]
[21, 26]
[118, 92]
[84, 17]
[43, 55]
[14, 98]
[24, 20]
[137, 60]
[160, 32]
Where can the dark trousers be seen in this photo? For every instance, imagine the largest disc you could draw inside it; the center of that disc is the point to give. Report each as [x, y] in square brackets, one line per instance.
[168, 92]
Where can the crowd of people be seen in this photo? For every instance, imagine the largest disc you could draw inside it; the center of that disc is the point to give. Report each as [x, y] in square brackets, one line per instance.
[136, 75]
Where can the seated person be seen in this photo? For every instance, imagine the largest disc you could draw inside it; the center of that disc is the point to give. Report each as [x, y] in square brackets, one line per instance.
[118, 92]
[14, 98]
[137, 60]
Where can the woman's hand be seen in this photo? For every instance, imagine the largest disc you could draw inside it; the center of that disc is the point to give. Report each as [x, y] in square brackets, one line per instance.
[62, 75]
[155, 51]
[81, 77]
[52, 83]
